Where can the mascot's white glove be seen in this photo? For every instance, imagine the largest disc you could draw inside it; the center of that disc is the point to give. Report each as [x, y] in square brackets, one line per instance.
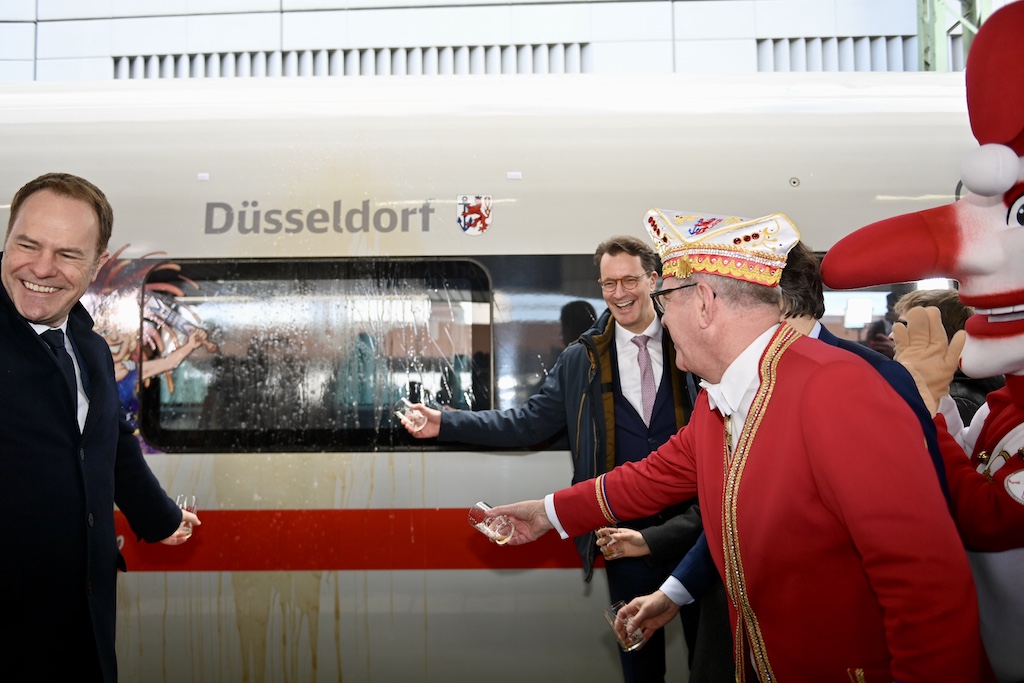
[922, 348]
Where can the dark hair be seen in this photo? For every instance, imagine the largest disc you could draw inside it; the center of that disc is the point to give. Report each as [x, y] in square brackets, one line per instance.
[953, 313]
[800, 286]
[577, 317]
[624, 244]
[73, 187]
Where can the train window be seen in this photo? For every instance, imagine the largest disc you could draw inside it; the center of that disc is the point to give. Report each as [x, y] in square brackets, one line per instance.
[313, 354]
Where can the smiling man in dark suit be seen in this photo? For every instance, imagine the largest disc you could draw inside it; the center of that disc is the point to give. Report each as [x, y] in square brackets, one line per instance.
[65, 455]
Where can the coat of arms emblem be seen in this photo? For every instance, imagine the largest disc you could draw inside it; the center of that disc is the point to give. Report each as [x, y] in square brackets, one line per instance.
[474, 213]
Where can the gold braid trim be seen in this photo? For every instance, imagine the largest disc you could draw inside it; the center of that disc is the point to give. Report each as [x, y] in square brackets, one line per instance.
[602, 500]
[724, 260]
[736, 583]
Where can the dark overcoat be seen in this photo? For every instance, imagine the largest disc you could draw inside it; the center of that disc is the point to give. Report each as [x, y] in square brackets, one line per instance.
[58, 486]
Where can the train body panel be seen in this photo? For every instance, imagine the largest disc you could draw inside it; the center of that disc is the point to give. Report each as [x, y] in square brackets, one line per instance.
[319, 248]
[411, 593]
[380, 166]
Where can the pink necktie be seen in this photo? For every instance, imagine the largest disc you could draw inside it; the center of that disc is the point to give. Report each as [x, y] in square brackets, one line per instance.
[647, 388]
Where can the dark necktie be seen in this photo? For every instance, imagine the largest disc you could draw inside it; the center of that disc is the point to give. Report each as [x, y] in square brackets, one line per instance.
[55, 340]
[648, 390]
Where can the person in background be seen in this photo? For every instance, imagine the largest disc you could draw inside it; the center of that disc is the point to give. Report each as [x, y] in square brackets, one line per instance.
[967, 392]
[616, 393]
[838, 556]
[576, 317]
[878, 335]
[66, 455]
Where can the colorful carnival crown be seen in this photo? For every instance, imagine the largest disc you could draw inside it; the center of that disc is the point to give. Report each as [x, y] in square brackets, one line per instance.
[753, 250]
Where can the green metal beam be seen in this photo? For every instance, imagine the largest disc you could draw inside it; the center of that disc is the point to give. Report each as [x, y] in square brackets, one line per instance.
[936, 19]
[974, 12]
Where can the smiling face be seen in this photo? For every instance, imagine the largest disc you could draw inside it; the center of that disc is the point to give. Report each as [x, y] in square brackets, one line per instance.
[631, 308]
[989, 247]
[978, 241]
[50, 256]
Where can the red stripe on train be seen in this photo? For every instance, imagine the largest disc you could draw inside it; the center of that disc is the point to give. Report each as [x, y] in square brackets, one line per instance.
[299, 540]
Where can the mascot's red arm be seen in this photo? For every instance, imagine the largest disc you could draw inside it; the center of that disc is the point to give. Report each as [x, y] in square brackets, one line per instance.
[979, 502]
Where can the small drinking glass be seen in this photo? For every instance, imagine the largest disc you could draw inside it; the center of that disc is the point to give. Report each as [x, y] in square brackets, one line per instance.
[627, 641]
[407, 414]
[187, 502]
[612, 549]
[499, 529]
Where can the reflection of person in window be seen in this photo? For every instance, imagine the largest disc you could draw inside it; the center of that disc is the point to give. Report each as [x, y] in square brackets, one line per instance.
[355, 379]
[451, 393]
[283, 402]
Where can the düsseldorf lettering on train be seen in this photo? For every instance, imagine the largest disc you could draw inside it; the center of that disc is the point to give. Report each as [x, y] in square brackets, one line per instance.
[250, 219]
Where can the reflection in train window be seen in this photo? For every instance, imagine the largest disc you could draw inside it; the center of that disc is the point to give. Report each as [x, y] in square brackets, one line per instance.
[312, 355]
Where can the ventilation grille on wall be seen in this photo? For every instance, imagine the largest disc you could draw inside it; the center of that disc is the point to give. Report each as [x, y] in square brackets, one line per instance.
[414, 61]
[875, 53]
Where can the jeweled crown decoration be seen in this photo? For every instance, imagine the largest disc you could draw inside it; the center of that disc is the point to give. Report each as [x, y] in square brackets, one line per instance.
[745, 249]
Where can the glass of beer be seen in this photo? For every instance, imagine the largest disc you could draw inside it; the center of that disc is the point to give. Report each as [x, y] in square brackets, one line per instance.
[499, 529]
[627, 641]
[187, 502]
[611, 548]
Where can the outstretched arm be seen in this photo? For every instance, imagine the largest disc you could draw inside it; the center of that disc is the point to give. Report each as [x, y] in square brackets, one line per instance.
[430, 429]
[530, 519]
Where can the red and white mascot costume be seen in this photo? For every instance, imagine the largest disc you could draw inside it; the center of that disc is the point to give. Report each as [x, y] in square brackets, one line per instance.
[979, 241]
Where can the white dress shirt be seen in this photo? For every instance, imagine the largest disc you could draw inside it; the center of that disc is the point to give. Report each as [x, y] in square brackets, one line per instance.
[626, 353]
[731, 397]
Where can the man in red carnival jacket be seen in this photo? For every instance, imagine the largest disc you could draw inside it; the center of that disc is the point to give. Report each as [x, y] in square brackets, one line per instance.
[840, 560]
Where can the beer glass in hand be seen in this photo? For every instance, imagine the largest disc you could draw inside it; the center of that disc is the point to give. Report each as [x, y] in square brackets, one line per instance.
[499, 529]
[187, 502]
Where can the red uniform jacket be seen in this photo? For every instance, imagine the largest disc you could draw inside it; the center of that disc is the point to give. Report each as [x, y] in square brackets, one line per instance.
[826, 523]
[990, 519]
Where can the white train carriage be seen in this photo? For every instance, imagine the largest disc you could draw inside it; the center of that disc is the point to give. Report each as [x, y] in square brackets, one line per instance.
[319, 248]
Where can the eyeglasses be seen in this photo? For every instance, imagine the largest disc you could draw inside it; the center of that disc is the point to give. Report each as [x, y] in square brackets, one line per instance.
[628, 283]
[656, 297]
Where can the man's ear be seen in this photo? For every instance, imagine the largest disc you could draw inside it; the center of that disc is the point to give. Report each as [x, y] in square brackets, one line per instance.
[99, 265]
[707, 311]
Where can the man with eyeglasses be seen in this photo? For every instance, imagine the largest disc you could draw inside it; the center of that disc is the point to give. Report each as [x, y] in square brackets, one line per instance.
[616, 393]
[818, 496]
[803, 306]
